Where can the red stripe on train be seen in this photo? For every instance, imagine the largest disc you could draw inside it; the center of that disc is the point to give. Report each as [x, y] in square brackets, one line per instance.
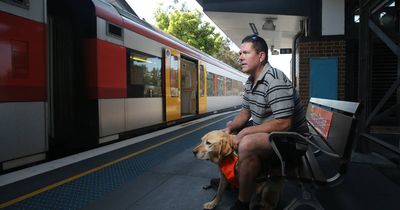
[22, 60]
[106, 69]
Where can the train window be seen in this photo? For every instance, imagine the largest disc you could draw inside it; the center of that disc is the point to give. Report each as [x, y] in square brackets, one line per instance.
[235, 88]
[220, 85]
[20, 3]
[186, 75]
[144, 75]
[239, 87]
[228, 86]
[114, 30]
[174, 85]
[202, 80]
[210, 84]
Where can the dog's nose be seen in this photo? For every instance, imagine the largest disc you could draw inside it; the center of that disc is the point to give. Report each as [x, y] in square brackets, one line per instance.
[195, 151]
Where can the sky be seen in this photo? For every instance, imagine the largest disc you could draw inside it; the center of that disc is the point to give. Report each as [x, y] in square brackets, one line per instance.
[145, 9]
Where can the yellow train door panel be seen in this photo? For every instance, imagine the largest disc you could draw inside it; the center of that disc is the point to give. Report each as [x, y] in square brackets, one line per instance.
[172, 85]
[202, 93]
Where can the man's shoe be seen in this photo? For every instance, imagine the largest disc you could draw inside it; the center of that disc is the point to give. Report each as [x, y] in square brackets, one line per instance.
[239, 205]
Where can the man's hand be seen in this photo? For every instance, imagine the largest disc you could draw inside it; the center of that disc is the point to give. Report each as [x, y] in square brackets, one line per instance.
[227, 130]
[239, 137]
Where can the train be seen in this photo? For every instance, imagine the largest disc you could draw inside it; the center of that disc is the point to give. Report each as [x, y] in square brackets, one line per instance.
[78, 74]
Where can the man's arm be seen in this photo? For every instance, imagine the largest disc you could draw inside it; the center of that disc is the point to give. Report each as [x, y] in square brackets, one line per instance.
[239, 121]
[280, 124]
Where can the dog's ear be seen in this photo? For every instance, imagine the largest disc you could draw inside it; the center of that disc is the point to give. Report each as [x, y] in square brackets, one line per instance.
[230, 139]
[226, 146]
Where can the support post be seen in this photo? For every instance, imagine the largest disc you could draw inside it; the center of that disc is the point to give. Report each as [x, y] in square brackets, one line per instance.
[364, 73]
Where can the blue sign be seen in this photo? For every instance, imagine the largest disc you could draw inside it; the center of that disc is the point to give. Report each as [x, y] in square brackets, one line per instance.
[324, 77]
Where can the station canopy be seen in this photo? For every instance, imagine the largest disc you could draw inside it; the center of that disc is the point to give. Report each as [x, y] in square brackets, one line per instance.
[277, 21]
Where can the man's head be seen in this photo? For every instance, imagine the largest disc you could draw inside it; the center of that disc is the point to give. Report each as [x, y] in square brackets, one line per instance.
[253, 53]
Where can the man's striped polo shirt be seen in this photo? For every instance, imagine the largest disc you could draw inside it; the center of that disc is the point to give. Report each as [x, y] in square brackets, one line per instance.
[273, 97]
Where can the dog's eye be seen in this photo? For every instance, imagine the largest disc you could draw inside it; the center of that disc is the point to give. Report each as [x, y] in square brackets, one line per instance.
[208, 143]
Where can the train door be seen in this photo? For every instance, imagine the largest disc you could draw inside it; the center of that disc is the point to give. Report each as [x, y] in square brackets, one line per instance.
[188, 87]
[202, 90]
[172, 85]
[67, 101]
[62, 98]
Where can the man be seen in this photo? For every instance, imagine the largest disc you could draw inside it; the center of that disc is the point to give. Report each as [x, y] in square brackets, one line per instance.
[273, 104]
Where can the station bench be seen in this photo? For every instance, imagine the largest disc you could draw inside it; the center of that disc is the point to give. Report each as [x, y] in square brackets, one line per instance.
[320, 159]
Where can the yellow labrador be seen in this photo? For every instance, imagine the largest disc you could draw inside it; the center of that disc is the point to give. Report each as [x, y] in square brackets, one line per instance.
[215, 146]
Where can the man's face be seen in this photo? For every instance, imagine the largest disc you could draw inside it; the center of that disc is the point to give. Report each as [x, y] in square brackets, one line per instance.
[249, 58]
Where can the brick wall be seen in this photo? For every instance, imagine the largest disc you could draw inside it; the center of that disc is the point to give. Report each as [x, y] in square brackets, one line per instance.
[309, 50]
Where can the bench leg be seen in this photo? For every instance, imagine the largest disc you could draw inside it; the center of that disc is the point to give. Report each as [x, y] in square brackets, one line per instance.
[306, 198]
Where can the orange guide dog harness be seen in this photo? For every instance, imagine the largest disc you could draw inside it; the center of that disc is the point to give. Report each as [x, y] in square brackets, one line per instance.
[228, 167]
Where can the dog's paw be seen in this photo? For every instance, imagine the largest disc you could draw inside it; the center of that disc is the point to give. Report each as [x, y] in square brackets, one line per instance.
[209, 205]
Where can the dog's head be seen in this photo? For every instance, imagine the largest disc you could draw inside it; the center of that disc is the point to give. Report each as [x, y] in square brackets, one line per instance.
[214, 146]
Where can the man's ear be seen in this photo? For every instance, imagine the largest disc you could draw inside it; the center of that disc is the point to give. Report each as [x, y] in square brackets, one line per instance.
[263, 56]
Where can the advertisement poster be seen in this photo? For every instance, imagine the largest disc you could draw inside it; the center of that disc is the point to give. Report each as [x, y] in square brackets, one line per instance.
[321, 120]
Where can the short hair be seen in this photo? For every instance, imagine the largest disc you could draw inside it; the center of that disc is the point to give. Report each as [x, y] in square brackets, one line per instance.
[259, 45]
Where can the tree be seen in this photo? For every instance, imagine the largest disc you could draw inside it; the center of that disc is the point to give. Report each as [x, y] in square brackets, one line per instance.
[228, 56]
[187, 26]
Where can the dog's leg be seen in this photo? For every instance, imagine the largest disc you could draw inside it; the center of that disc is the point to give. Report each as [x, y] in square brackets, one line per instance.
[223, 183]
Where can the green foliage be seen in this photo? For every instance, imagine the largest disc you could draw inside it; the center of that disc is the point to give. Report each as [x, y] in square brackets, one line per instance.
[228, 56]
[187, 26]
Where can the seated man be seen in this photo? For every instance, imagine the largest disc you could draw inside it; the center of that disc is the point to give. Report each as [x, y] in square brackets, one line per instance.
[273, 104]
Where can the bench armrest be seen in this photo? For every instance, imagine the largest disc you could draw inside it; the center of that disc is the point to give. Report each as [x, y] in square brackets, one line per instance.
[296, 145]
[299, 139]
